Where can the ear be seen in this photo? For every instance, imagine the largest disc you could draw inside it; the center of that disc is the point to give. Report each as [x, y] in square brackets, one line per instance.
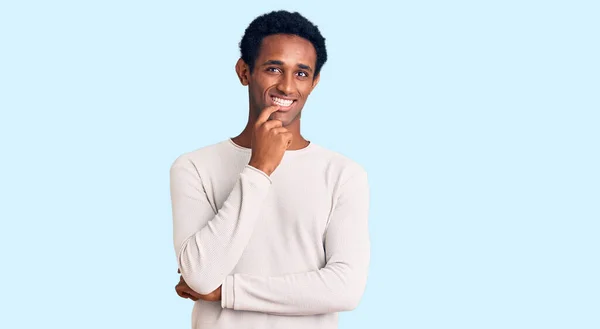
[243, 72]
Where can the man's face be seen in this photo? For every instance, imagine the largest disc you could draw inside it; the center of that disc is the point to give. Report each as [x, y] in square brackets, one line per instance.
[283, 75]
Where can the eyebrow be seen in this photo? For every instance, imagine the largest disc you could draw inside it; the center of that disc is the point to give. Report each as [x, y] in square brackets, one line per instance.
[277, 62]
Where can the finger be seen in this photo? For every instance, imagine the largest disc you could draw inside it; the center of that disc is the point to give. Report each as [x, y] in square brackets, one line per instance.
[279, 130]
[193, 294]
[265, 114]
[181, 293]
[185, 294]
[287, 137]
[272, 124]
[188, 291]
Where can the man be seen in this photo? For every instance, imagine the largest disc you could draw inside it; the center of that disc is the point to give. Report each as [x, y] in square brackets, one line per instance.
[270, 229]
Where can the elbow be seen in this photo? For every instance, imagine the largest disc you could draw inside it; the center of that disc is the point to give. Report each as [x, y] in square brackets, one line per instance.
[354, 300]
[349, 302]
[351, 296]
[346, 305]
[195, 275]
[196, 283]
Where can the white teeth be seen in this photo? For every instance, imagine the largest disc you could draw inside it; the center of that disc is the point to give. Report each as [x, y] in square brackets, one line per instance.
[282, 102]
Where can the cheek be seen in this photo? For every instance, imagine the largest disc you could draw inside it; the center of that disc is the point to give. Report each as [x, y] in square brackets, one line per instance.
[307, 88]
[304, 94]
[260, 88]
[256, 91]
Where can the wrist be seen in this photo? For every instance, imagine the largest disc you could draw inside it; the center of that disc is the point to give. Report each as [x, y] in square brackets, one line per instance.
[262, 167]
[227, 298]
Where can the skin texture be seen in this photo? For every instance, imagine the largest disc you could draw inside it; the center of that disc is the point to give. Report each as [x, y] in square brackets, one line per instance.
[284, 68]
[184, 291]
[270, 140]
[277, 72]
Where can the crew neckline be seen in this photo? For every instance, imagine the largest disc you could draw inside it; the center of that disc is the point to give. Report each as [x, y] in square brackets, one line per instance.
[309, 147]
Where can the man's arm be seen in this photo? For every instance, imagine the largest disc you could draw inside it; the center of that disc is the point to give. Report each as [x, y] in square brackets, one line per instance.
[336, 287]
[209, 243]
[184, 291]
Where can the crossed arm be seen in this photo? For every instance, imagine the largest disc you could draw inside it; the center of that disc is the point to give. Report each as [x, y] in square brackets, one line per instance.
[210, 242]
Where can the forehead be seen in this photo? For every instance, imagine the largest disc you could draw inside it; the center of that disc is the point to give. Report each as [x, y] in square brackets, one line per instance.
[291, 49]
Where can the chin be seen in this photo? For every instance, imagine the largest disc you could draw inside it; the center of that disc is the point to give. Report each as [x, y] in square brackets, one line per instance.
[285, 118]
[285, 123]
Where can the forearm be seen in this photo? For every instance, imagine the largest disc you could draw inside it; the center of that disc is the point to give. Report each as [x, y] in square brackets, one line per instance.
[207, 254]
[335, 288]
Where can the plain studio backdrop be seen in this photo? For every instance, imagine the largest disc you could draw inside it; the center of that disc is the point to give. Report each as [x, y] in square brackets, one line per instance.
[478, 122]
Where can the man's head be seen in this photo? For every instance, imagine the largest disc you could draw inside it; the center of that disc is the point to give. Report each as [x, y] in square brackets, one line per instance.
[282, 54]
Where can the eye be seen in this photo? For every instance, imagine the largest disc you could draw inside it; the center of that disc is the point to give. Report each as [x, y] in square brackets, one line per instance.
[303, 74]
[273, 70]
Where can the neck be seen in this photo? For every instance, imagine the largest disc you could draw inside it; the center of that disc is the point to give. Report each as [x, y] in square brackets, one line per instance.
[244, 139]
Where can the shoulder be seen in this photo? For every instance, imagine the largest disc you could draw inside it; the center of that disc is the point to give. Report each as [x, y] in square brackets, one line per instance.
[201, 157]
[339, 166]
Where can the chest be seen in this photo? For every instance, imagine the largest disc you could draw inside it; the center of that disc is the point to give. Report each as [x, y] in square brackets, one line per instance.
[297, 205]
[288, 235]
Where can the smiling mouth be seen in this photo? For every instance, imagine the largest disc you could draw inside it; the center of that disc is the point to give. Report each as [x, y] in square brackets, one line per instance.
[282, 102]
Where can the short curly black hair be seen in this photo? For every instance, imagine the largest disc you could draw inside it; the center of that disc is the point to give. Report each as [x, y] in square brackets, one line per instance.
[281, 22]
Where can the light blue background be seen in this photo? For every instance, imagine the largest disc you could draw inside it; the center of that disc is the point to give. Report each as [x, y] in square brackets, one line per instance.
[478, 122]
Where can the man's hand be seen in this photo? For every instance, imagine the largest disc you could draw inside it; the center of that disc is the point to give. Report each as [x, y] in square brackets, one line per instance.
[184, 291]
[214, 296]
[269, 142]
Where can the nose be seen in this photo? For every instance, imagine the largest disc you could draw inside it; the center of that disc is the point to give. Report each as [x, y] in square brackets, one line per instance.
[286, 84]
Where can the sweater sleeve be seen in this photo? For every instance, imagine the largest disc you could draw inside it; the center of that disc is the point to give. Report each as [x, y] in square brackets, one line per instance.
[209, 242]
[338, 286]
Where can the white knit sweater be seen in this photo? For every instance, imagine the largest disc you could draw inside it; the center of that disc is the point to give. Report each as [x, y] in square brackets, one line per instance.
[290, 250]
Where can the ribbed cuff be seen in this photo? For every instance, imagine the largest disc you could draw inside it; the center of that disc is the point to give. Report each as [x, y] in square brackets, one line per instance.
[250, 169]
[227, 297]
